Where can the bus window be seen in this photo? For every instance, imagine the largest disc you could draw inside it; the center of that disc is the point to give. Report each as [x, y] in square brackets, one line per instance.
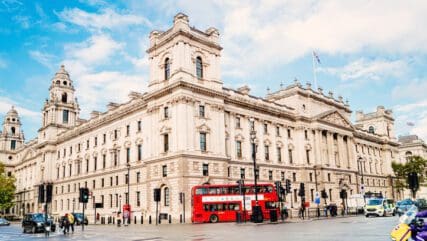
[269, 189]
[224, 190]
[212, 190]
[270, 205]
[206, 207]
[201, 190]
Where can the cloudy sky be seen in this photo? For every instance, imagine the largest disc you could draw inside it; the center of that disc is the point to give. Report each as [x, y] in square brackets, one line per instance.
[371, 52]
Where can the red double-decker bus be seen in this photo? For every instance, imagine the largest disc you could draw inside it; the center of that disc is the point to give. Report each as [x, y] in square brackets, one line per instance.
[221, 203]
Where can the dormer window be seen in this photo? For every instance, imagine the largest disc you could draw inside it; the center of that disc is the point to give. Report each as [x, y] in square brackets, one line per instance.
[167, 68]
[199, 68]
[371, 130]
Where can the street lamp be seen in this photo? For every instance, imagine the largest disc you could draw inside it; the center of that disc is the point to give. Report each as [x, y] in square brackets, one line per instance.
[128, 195]
[256, 210]
[120, 202]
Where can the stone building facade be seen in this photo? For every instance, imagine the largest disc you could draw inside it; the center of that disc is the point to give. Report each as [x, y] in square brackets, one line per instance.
[187, 130]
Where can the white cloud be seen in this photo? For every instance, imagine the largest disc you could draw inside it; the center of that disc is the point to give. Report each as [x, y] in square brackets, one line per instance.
[368, 70]
[6, 104]
[415, 89]
[107, 19]
[43, 58]
[3, 63]
[415, 112]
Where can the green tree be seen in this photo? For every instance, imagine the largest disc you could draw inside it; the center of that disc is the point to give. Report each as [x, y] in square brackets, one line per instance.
[415, 164]
[7, 189]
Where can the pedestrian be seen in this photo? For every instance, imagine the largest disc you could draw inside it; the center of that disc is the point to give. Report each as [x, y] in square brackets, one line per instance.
[65, 224]
[342, 209]
[302, 210]
[119, 218]
[126, 217]
[71, 220]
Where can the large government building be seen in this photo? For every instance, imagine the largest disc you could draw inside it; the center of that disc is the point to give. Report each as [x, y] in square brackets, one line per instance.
[187, 130]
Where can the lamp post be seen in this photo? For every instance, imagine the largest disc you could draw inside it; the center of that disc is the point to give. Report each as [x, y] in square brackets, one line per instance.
[128, 195]
[317, 193]
[23, 209]
[362, 185]
[120, 202]
[74, 201]
[256, 210]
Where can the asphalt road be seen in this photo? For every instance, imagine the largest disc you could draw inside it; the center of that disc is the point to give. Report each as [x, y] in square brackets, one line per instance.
[339, 229]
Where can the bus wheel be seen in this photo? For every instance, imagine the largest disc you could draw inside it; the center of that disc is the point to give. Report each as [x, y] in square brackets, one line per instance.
[213, 218]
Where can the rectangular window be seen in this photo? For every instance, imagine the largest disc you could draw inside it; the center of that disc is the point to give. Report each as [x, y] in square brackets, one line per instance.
[57, 173]
[138, 199]
[252, 125]
[166, 191]
[282, 176]
[311, 177]
[290, 156]
[139, 152]
[205, 170]
[111, 181]
[127, 155]
[102, 200]
[242, 173]
[115, 156]
[201, 111]
[166, 112]
[165, 142]
[70, 169]
[116, 134]
[78, 147]
[238, 122]
[104, 160]
[138, 177]
[239, 149]
[279, 154]
[307, 155]
[277, 131]
[95, 163]
[117, 180]
[306, 134]
[127, 130]
[71, 150]
[329, 177]
[117, 200]
[95, 141]
[111, 200]
[270, 175]
[65, 114]
[93, 184]
[126, 179]
[203, 141]
[294, 176]
[265, 129]
[104, 138]
[267, 153]
[289, 134]
[65, 153]
[164, 170]
[139, 126]
[102, 182]
[13, 144]
[87, 144]
[87, 165]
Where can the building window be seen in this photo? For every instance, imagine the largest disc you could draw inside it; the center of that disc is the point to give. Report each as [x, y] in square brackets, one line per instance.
[78, 147]
[71, 150]
[270, 175]
[139, 125]
[167, 68]
[70, 168]
[165, 142]
[139, 152]
[138, 177]
[104, 161]
[290, 156]
[65, 114]
[95, 163]
[203, 141]
[102, 182]
[201, 111]
[127, 155]
[117, 180]
[277, 131]
[312, 195]
[282, 176]
[95, 141]
[205, 170]
[330, 195]
[329, 177]
[242, 173]
[166, 195]
[164, 170]
[117, 200]
[111, 181]
[87, 144]
[294, 176]
[267, 153]
[199, 68]
[311, 177]
[239, 149]
[289, 134]
[238, 122]
[64, 97]
[127, 130]
[93, 184]
[371, 130]
[295, 195]
[87, 165]
[306, 134]
[115, 157]
[279, 154]
[307, 155]
[13, 144]
[265, 129]
[166, 112]
[252, 125]
[126, 179]
[116, 135]
[111, 200]
[138, 199]
[104, 138]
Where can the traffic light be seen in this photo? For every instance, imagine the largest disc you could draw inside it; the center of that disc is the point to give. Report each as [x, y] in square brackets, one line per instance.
[41, 193]
[84, 195]
[301, 191]
[49, 193]
[413, 181]
[157, 194]
[288, 186]
[324, 194]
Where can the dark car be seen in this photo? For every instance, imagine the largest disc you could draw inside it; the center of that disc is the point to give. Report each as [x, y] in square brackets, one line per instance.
[4, 222]
[79, 218]
[403, 206]
[35, 222]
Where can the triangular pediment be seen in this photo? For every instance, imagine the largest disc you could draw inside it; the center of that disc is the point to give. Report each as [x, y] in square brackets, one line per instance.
[335, 118]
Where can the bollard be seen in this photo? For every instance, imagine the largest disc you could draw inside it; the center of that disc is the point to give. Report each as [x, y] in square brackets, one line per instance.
[149, 219]
[142, 220]
[113, 220]
[180, 218]
[170, 218]
[134, 219]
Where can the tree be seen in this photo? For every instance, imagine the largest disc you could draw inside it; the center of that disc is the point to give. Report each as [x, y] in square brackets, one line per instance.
[7, 189]
[415, 164]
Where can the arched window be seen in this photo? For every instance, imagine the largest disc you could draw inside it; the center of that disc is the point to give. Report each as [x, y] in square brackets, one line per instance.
[199, 68]
[58, 82]
[167, 68]
[64, 97]
[12, 130]
[408, 153]
[371, 129]
[166, 196]
[64, 83]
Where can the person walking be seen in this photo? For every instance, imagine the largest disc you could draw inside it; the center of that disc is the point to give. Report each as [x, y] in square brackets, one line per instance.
[65, 224]
[119, 218]
[71, 220]
[126, 217]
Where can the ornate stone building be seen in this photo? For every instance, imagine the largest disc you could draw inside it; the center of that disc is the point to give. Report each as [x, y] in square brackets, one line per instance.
[188, 129]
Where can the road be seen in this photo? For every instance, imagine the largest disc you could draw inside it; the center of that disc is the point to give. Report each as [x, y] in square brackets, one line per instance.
[337, 229]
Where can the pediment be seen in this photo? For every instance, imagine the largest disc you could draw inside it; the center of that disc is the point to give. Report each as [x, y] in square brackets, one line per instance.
[335, 118]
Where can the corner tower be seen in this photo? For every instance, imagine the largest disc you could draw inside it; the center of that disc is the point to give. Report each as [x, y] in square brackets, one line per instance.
[380, 122]
[184, 53]
[61, 110]
[11, 138]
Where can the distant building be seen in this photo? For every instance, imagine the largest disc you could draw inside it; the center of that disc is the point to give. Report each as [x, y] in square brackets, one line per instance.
[187, 130]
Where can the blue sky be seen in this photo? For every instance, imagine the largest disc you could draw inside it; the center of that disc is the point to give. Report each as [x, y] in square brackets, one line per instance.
[372, 52]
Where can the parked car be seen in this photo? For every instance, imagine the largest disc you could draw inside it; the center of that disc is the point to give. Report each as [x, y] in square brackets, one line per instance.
[403, 206]
[79, 218]
[35, 222]
[380, 207]
[4, 222]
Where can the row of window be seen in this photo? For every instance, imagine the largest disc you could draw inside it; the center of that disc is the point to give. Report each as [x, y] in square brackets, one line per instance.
[199, 68]
[375, 151]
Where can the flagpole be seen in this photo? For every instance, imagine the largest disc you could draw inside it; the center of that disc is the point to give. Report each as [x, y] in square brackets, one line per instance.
[314, 71]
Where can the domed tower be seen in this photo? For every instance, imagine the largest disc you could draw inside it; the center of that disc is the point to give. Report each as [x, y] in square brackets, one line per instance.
[61, 110]
[11, 138]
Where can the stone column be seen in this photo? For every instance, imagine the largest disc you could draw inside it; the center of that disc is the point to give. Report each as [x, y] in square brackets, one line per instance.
[330, 144]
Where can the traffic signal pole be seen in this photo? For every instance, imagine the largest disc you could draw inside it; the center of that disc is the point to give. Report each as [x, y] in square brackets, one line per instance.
[83, 220]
